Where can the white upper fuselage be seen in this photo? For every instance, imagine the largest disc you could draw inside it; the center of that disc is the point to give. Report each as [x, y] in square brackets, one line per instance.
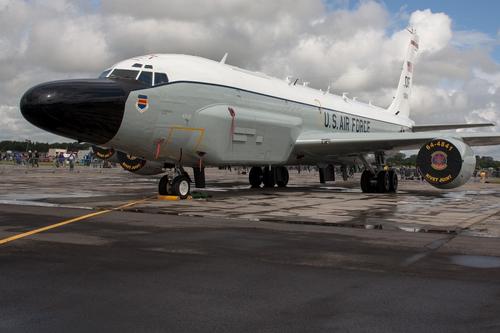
[181, 67]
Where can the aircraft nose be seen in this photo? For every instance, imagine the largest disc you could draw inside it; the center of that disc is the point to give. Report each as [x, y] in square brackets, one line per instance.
[85, 110]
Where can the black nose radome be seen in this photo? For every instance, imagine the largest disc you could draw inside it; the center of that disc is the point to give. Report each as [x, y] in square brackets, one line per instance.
[84, 110]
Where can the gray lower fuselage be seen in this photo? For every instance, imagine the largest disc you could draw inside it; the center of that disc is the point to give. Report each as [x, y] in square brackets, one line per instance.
[188, 121]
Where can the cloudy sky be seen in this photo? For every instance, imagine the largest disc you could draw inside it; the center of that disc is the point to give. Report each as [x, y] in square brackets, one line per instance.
[356, 46]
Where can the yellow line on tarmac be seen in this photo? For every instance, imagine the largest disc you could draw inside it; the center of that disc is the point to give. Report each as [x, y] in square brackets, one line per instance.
[60, 224]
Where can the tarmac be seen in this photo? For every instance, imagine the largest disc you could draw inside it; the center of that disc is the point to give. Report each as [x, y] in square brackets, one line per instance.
[95, 250]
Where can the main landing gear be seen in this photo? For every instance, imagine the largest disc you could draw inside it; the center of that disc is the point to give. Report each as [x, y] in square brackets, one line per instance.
[179, 184]
[384, 181]
[379, 180]
[269, 176]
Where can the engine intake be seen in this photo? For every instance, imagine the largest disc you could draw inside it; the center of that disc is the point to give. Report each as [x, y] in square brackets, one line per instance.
[103, 153]
[138, 165]
[446, 163]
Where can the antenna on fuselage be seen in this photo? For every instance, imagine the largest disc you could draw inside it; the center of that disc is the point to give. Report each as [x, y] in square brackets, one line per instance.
[223, 60]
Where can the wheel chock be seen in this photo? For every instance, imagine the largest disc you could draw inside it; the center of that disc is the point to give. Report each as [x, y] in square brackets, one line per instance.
[171, 197]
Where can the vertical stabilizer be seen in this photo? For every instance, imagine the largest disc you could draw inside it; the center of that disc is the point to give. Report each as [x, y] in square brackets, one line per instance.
[401, 104]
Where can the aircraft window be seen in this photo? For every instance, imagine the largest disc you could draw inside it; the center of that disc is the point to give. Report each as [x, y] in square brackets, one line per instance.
[146, 77]
[160, 78]
[104, 74]
[149, 66]
[137, 65]
[124, 74]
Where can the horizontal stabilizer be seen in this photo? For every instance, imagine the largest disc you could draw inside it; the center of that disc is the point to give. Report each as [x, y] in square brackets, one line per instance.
[426, 128]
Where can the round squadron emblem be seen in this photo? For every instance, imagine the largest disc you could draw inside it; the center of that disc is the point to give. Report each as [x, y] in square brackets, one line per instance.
[439, 160]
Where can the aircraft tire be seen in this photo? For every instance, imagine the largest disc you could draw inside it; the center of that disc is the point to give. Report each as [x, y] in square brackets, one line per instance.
[283, 177]
[383, 182]
[181, 186]
[366, 178]
[255, 177]
[268, 177]
[393, 181]
[163, 186]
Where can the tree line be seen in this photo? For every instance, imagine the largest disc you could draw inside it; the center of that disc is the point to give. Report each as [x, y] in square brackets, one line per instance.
[42, 147]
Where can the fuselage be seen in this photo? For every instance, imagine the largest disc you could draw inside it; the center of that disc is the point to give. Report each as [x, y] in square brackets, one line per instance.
[191, 112]
[194, 108]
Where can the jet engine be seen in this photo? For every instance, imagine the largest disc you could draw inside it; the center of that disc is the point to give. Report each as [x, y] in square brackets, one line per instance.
[105, 153]
[138, 165]
[446, 163]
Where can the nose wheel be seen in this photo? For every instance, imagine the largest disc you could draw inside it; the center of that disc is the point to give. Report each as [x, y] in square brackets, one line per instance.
[179, 185]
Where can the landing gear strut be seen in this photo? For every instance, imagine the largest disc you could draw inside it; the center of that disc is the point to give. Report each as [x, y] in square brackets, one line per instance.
[269, 176]
[378, 180]
[179, 184]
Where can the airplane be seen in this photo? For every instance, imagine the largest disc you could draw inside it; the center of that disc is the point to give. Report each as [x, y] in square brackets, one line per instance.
[165, 112]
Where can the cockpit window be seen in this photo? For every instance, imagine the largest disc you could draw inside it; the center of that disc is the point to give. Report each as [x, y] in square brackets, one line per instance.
[160, 78]
[149, 66]
[124, 74]
[146, 77]
[104, 74]
[137, 65]
[131, 74]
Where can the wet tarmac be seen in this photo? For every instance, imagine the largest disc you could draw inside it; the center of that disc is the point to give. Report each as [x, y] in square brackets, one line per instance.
[307, 258]
[417, 207]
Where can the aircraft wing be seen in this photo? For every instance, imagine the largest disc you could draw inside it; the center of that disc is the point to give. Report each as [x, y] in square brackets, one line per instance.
[355, 143]
[426, 128]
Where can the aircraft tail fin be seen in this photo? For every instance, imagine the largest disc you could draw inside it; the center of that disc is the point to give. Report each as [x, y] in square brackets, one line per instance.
[401, 102]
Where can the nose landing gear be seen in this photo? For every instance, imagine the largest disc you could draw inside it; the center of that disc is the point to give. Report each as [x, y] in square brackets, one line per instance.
[179, 184]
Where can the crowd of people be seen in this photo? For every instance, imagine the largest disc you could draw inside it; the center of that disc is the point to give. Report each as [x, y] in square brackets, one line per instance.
[60, 160]
[29, 158]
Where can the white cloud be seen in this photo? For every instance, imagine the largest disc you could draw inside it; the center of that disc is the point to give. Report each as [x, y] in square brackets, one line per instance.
[68, 45]
[19, 129]
[472, 39]
[357, 50]
[434, 29]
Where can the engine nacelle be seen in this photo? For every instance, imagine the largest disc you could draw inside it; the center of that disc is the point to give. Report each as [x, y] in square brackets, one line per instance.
[446, 163]
[105, 153]
[138, 165]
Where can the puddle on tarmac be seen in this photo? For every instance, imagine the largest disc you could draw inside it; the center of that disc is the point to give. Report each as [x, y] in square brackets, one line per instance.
[43, 196]
[476, 261]
[38, 204]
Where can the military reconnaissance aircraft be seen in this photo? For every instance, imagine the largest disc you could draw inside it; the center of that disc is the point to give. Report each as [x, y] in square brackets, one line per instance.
[164, 112]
